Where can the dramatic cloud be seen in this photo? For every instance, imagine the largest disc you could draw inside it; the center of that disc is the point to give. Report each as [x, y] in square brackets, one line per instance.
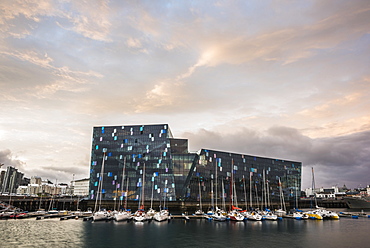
[8, 159]
[337, 161]
[271, 78]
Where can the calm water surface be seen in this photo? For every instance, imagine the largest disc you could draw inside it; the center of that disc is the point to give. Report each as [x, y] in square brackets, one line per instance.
[345, 232]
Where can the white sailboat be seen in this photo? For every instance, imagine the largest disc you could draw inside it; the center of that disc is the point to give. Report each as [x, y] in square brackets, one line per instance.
[123, 214]
[151, 212]
[234, 213]
[267, 214]
[320, 213]
[252, 215]
[100, 214]
[282, 210]
[163, 214]
[218, 214]
[140, 214]
[200, 210]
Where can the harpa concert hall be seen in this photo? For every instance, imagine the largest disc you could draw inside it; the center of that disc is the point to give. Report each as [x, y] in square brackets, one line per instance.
[156, 166]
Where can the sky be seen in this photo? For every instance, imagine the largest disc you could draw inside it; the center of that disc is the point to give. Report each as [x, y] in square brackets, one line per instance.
[282, 79]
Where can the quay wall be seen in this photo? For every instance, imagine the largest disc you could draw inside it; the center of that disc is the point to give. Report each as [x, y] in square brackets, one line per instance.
[68, 203]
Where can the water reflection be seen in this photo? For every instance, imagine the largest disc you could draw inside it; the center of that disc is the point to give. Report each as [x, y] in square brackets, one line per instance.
[180, 233]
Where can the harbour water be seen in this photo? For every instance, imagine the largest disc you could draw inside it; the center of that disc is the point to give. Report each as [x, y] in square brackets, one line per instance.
[346, 232]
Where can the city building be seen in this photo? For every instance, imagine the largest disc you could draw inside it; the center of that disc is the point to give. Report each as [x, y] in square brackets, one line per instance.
[158, 166]
[326, 193]
[81, 187]
[10, 180]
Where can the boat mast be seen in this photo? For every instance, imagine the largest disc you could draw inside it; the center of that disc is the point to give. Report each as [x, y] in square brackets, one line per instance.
[212, 199]
[264, 189]
[313, 187]
[236, 198]
[223, 195]
[232, 183]
[123, 180]
[165, 194]
[296, 194]
[151, 199]
[126, 195]
[268, 195]
[256, 191]
[282, 201]
[250, 189]
[200, 197]
[100, 186]
[245, 194]
[143, 189]
[216, 180]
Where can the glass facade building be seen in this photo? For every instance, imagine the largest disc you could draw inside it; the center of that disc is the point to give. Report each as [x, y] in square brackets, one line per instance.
[157, 166]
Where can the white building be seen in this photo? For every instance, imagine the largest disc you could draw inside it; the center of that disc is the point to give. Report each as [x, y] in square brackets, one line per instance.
[37, 187]
[81, 187]
[325, 193]
[22, 190]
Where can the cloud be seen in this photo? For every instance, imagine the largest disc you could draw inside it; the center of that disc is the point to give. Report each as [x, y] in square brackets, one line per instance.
[340, 160]
[279, 79]
[7, 158]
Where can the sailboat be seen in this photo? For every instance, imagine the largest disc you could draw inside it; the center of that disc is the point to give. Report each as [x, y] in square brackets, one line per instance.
[100, 214]
[282, 210]
[124, 214]
[234, 213]
[200, 210]
[252, 215]
[140, 214]
[320, 213]
[267, 214]
[151, 212]
[163, 214]
[218, 214]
